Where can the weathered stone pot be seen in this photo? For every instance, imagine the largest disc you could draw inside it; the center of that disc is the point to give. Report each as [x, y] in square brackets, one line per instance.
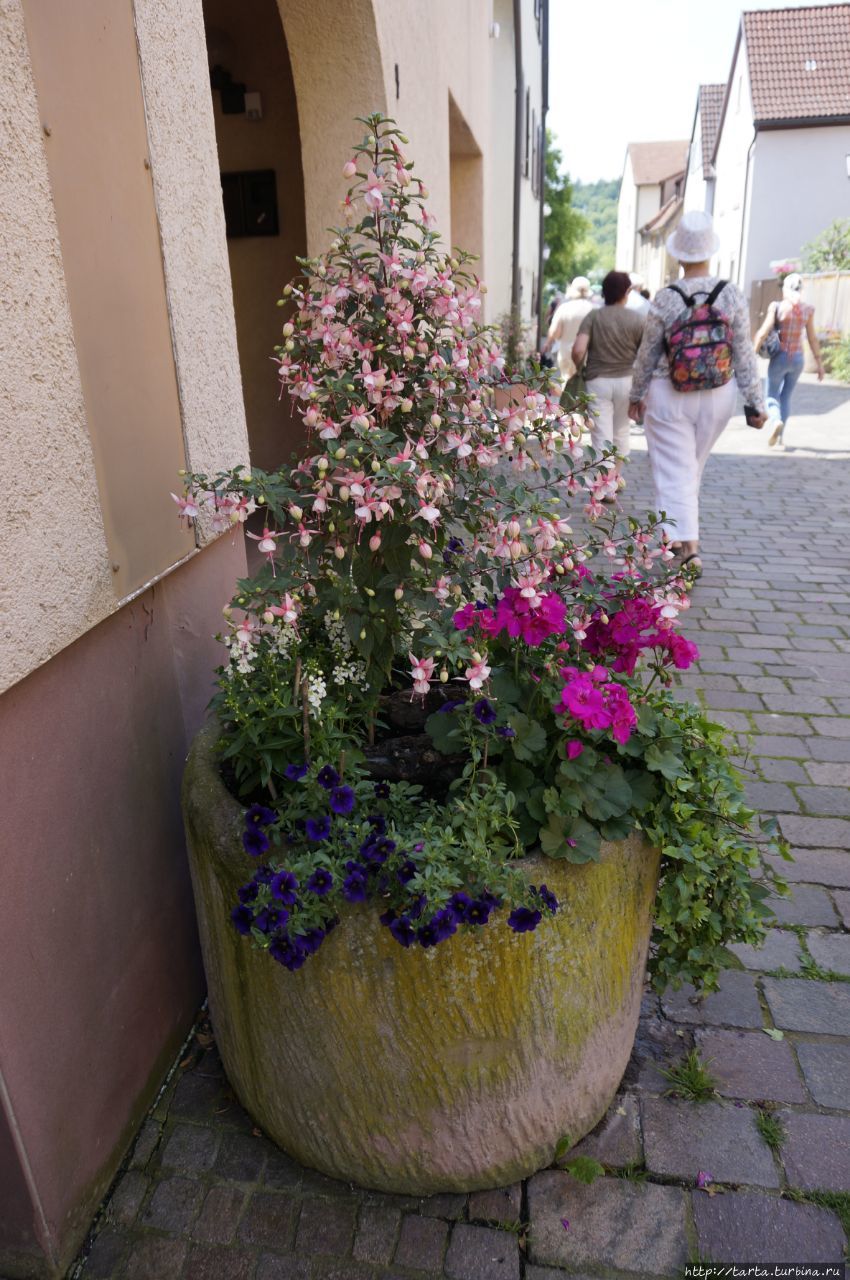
[410, 1071]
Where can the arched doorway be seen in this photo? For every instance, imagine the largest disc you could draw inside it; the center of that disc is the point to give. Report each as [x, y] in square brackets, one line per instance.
[259, 149]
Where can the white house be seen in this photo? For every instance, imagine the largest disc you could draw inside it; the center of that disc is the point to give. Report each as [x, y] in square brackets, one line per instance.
[782, 155]
[699, 181]
[649, 173]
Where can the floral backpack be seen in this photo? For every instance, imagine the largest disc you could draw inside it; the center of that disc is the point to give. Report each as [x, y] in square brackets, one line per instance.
[699, 345]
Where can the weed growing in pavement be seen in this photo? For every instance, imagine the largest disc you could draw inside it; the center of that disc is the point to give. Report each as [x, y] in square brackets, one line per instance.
[769, 1126]
[690, 1079]
[634, 1172]
[837, 1201]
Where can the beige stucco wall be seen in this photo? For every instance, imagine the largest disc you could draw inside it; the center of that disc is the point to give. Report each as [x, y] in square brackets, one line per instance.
[55, 579]
[181, 134]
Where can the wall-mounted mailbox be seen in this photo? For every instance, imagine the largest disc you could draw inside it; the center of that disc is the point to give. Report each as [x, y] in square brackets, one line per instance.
[250, 203]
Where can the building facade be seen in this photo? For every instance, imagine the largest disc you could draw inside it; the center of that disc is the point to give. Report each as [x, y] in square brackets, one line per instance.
[139, 317]
[649, 207]
[782, 153]
[700, 176]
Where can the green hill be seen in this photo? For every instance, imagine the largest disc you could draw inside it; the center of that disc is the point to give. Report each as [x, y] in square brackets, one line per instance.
[597, 202]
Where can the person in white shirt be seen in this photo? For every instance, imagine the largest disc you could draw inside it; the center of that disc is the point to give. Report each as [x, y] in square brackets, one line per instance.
[565, 324]
[636, 300]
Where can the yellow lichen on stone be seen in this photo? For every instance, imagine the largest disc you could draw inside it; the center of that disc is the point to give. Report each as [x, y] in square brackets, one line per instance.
[413, 1071]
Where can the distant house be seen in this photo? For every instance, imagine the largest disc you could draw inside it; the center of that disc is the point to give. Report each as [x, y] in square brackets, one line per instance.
[650, 175]
[700, 177]
[782, 154]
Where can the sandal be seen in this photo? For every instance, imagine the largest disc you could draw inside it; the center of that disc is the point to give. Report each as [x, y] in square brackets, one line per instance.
[675, 547]
[693, 564]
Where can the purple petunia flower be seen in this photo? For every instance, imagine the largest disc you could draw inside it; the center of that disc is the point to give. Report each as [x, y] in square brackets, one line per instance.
[376, 852]
[407, 871]
[378, 823]
[524, 919]
[327, 777]
[447, 707]
[295, 772]
[284, 887]
[403, 931]
[460, 903]
[247, 892]
[263, 875]
[354, 886]
[382, 791]
[318, 828]
[444, 923]
[242, 918]
[287, 952]
[341, 800]
[478, 912]
[270, 918]
[548, 898]
[310, 941]
[505, 731]
[320, 882]
[260, 816]
[484, 711]
[417, 907]
[427, 936]
[254, 841]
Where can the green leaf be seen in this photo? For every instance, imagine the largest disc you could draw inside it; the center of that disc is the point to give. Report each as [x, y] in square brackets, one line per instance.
[503, 687]
[585, 1169]
[445, 732]
[530, 738]
[562, 1146]
[667, 763]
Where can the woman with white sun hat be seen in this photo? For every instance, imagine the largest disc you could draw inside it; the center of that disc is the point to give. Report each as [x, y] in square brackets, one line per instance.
[696, 346]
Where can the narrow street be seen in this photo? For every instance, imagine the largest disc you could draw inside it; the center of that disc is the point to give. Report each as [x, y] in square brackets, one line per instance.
[205, 1198]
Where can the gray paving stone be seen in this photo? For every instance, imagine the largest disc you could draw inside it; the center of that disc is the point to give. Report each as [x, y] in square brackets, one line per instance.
[749, 1064]
[828, 775]
[735, 1004]
[482, 1253]
[744, 1224]
[801, 1005]
[835, 750]
[281, 1171]
[806, 904]
[615, 1223]
[782, 770]
[377, 1232]
[106, 1254]
[128, 1196]
[220, 1212]
[772, 722]
[190, 1148]
[275, 1266]
[146, 1143]
[682, 1139]
[153, 1258]
[830, 950]
[447, 1205]
[502, 1205]
[269, 1220]
[832, 726]
[816, 1151]
[325, 1226]
[816, 866]
[731, 700]
[241, 1157]
[332, 1269]
[820, 833]
[533, 1272]
[774, 744]
[826, 1067]
[422, 1242]
[211, 1262]
[825, 801]
[780, 950]
[771, 797]
[173, 1205]
[799, 704]
[842, 902]
[616, 1139]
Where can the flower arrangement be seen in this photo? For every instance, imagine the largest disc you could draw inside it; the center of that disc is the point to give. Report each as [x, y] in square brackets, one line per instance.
[422, 541]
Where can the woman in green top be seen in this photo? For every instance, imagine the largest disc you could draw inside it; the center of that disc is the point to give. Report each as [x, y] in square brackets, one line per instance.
[607, 343]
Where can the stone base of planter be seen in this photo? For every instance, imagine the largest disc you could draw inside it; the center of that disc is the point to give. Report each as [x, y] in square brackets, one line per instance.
[453, 1069]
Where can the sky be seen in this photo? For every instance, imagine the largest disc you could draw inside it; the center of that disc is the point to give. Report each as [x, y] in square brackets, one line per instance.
[624, 71]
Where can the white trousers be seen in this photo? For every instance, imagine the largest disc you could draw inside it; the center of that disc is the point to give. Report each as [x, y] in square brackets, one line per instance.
[681, 430]
[610, 409]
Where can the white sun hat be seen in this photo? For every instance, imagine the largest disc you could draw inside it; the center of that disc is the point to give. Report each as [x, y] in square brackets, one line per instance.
[694, 239]
[793, 283]
[580, 288]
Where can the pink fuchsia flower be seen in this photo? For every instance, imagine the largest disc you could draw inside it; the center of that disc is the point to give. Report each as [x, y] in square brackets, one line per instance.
[266, 543]
[429, 512]
[422, 669]
[189, 509]
[373, 195]
[288, 610]
[477, 673]
[349, 169]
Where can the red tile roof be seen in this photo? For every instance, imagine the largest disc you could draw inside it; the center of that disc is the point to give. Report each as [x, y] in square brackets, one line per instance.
[799, 62]
[710, 107]
[652, 162]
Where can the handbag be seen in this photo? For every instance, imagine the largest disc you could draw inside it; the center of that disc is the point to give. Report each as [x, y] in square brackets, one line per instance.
[772, 344]
[575, 395]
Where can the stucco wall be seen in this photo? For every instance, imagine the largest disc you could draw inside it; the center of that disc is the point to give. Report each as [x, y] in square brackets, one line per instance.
[810, 162]
[181, 135]
[626, 219]
[55, 579]
[731, 165]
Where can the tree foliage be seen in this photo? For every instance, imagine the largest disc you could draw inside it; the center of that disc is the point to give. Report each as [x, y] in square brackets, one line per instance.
[597, 202]
[830, 251]
[564, 229]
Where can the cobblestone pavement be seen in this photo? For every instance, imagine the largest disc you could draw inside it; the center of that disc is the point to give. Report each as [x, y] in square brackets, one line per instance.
[206, 1197]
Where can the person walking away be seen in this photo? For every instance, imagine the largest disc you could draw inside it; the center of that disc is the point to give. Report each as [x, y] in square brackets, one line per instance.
[607, 343]
[638, 299]
[791, 317]
[565, 324]
[696, 339]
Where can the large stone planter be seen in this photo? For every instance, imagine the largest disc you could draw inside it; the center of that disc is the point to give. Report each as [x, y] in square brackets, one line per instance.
[411, 1071]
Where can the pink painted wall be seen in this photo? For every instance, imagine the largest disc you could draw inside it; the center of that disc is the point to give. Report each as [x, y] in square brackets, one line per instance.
[100, 969]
